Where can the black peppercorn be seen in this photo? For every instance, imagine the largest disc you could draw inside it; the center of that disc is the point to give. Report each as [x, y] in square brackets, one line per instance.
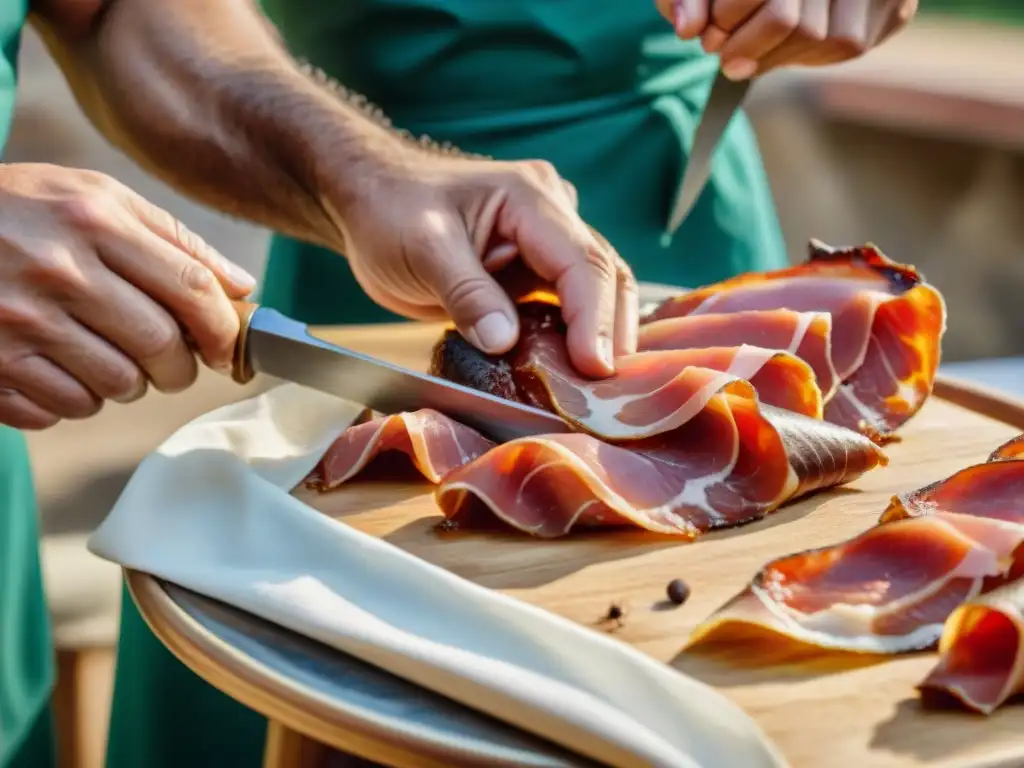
[678, 591]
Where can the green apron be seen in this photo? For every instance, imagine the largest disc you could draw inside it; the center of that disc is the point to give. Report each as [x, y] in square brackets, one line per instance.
[26, 655]
[609, 96]
[606, 92]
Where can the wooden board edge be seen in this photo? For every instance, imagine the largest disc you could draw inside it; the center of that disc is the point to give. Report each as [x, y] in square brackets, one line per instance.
[256, 686]
[981, 399]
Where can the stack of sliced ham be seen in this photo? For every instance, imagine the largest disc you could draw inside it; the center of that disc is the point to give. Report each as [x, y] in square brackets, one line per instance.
[743, 396]
[945, 561]
[870, 328]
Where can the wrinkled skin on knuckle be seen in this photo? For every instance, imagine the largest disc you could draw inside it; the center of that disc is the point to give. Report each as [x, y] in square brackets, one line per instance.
[54, 269]
[600, 263]
[544, 170]
[197, 279]
[190, 241]
[468, 294]
[627, 280]
[87, 213]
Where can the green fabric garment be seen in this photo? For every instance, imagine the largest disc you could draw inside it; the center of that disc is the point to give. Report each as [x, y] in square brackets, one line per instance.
[609, 96]
[26, 654]
[605, 92]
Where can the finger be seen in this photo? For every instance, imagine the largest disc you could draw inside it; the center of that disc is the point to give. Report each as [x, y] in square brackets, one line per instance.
[782, 30]
[688, 17]
[564, 252]
[627, 310]
[18, 411]
[51, 388]
[143, 330]
[571, 194]
[105, 370]
[627, 302]
[446, 261]
[562, 190]
[894, 22]
[500, 256]
[185, 286]
[729, 15]
[713, 38]
[236, 282]
[848, 30]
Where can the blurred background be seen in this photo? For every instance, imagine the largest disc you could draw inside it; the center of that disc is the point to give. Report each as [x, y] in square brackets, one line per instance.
[917, 147]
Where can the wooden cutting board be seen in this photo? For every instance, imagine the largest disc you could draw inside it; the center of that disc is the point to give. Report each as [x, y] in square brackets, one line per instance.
[828, 710]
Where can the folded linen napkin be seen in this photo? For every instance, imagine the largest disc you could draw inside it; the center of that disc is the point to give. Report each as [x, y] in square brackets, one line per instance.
[210, 510]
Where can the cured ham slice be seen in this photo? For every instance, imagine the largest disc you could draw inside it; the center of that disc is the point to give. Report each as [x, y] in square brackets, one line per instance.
[993, 489]
[808, 335]
[434, 443]
[887, 326]
[886, 591]
[677, 441]
[981, 661]
[650, 393]
[729, 464]
[890, 589]
[1012, 449]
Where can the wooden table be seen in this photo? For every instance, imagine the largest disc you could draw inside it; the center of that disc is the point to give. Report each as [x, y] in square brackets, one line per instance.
[828, 712]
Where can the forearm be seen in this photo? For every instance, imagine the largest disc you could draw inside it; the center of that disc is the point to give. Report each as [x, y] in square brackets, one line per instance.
[201, 93]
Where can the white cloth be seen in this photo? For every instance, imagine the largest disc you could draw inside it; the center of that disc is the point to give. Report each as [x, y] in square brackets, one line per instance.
[210, 510]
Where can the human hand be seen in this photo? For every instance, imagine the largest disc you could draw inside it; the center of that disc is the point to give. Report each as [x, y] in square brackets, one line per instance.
[755, 36]
[424, 233]
[98, 289]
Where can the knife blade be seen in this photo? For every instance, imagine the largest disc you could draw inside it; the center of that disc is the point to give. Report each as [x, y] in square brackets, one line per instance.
[725, 98]
[276, 345]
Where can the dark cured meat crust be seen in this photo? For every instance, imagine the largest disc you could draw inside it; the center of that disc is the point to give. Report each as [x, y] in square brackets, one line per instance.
[903, 277]
[455, 359]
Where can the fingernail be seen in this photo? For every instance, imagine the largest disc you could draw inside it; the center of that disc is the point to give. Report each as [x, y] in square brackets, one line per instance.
[604, 351]
[679, 17]
[493, 333]
[739, 69]
[239, 276]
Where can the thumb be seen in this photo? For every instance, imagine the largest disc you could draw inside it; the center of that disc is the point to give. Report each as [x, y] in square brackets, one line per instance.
[481, 310]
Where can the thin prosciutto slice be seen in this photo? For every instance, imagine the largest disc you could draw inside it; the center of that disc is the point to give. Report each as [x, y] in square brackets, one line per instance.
[677, 441]
[434, 443]
[1011, 449]
[981, 653]
[655, 392]
[992, 489]
[731, 463]
[887, 326]
[808, 335]
[892, 588]
[888, 590]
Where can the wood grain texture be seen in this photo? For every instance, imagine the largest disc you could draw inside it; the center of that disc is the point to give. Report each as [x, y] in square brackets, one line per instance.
[835, 710]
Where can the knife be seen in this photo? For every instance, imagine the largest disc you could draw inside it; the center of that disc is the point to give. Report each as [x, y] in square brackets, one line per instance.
[273, 344]
[725, 98]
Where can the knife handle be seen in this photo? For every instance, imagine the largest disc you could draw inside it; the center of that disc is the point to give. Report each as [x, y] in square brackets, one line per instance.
[241, 367]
